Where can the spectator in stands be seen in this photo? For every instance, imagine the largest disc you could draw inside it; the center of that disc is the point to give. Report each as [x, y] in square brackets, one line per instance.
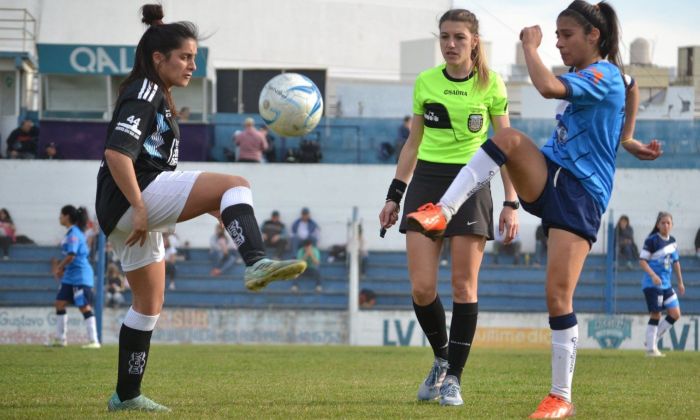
[404, 131]
[76, 276]
[251, 143]
[367, 298]
[7, 233]
[170, 245]
[697, 243]
[500, 248]
[304, 228]
[50, 152]
[309, 253]
[23, 141]
[540, 246]
[627, 251]
[221, 251]
[271, 151]
[115, 286]
[184, 114]
[274, 234]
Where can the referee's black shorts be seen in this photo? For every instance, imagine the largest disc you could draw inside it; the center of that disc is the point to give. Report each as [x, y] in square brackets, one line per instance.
[429, 183]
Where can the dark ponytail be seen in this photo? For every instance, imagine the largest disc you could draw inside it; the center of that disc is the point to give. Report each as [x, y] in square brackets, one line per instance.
[161, 37]
[660, 216]
[77, 216]
[603, 17]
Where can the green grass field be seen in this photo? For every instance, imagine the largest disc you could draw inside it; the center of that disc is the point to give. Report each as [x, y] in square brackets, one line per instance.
[199, 381]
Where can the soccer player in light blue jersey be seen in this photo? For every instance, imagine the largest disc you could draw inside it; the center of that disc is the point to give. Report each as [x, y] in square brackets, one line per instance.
[568, 183]
[77, 277]
[659, 259]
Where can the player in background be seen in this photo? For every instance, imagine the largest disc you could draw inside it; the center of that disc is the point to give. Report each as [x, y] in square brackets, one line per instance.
[76, 275]
[140, 195]
[659, 258]
[453, 106]
[569, 181]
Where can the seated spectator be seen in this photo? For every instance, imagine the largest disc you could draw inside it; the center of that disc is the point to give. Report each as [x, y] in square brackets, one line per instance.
[23, 141]
[184, 114]
[115, 286]
[50, 152]
[310, 152]
[304, 228]
[170, 244]
[367, 298]
[540, 246]
[271, 152]
[222, 251]
[274, 234]
[7, 233]
[501, 248]
[309, 253]
[627, 251]
[697, 243]
[251, 144]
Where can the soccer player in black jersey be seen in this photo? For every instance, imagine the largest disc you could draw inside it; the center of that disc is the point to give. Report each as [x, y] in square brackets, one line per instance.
[140, 195]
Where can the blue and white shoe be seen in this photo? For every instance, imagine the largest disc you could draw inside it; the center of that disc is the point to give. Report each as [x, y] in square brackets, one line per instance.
[450, 391]
[429, 389]
[140, 403]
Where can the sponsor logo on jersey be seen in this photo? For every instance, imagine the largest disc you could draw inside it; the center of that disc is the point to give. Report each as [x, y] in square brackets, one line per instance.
[236, 232]
[130, 127]
[430, 116]
[455, 92]
[475, 122]
[137, 362]
[174, 152]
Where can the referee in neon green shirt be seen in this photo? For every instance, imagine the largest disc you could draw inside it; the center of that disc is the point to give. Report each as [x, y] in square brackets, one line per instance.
[453, 105]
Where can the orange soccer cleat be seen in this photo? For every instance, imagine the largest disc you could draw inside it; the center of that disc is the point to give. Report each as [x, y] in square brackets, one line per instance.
[428, 220]
[553, 407]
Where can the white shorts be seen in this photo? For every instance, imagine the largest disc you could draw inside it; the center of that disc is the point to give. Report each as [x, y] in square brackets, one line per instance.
[165, 198]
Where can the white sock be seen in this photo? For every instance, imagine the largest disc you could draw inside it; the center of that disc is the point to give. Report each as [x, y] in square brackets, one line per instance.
[652, 337]
[470, 179]
[563, 361]
[61, 324]
[236, 195]
[139, 321]
[663, 327]
[91, 327]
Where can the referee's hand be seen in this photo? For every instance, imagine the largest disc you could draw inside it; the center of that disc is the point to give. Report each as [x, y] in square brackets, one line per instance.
[389, 214]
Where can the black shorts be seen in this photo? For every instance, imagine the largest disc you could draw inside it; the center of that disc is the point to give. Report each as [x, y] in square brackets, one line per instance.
[429, 183]
[78, 295]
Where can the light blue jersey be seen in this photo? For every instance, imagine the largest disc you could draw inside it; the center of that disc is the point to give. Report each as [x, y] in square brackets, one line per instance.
[660, 254]
[587, 135]
[79, 272]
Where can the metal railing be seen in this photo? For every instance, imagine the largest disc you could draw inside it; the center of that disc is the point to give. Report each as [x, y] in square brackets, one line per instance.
[17, 30]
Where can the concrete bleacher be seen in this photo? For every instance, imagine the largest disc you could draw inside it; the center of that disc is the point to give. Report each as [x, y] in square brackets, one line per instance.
[25, 280]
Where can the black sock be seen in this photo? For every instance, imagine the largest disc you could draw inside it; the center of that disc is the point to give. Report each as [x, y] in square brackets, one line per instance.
[133, 355]
[462, 329]
[240, 223]
[432, 320]
[670, 319]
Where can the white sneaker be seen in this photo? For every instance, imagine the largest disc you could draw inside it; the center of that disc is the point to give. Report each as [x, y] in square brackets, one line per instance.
[93, 345]
[429, 389]
[655, 353]
[56, 342]
[451, 392]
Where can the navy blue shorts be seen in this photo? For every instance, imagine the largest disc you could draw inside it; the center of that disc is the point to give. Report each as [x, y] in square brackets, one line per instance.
[77, 295]
[565, 204]
[660, 299]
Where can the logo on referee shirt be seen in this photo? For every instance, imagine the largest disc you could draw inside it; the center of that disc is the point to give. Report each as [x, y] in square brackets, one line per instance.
[475, 122]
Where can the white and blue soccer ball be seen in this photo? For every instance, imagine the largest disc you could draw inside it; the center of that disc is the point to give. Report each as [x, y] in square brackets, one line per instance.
[291, 105]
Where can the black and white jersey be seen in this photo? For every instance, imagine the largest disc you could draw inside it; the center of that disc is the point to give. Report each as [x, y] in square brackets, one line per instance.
[144, 129]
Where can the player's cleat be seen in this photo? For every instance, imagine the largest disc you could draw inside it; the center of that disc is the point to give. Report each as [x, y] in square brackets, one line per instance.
[553, 407]
[260, 274]
[140, 403]
[655, 353]
[429, 389]
[93, 345]
[57, 342]
[428, 220]
[450, 392]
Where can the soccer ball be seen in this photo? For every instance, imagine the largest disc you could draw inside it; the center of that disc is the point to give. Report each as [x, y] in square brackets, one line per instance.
[290, 104]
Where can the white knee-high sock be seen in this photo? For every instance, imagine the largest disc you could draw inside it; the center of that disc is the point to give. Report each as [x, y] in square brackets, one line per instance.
[651, 336]
[61, 326]
[470, 179]
[664, 326]
[563, 361]
[91, 328]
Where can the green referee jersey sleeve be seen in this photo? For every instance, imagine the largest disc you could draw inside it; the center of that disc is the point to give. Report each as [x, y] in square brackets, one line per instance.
[456, 114]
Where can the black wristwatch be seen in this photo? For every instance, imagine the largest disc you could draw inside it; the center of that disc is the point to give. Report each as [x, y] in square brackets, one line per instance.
[512, 204]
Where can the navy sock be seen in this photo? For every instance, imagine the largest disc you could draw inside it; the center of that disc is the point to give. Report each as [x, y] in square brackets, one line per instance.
[669, 319]
[494, 152]
[432, 320]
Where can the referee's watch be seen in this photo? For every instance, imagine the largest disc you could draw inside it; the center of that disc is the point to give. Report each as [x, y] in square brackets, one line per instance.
[512, 204]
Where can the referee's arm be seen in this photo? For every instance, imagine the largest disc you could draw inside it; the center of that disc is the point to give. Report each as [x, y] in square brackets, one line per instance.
[409, 152]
